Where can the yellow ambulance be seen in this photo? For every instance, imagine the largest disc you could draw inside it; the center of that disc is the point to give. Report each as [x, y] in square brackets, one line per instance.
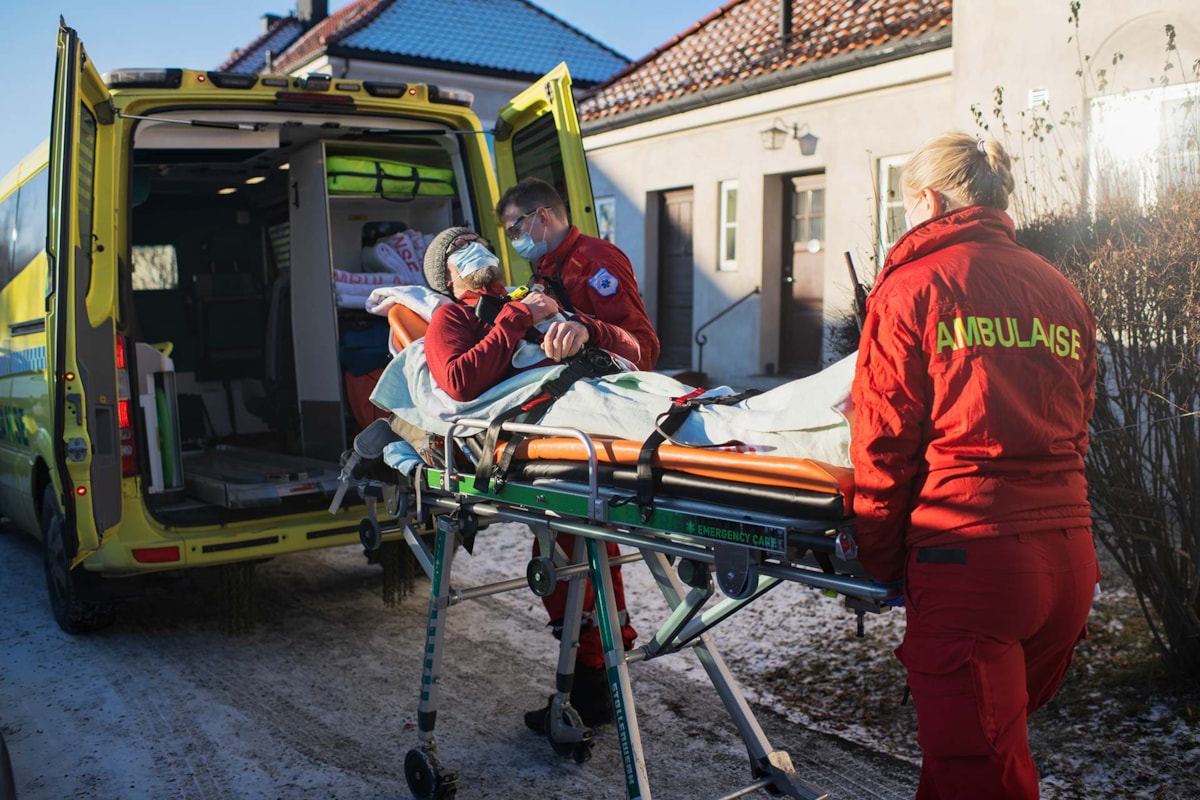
[177, 356]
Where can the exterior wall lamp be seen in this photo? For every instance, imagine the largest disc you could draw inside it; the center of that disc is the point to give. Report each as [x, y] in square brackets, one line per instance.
[773, 138]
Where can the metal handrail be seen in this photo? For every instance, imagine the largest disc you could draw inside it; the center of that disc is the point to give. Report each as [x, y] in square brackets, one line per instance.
[702, 340]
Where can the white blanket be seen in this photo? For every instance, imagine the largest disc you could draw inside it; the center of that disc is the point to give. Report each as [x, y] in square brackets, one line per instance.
[805, 418]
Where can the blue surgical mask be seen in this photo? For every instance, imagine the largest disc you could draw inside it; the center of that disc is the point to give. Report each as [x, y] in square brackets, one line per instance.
[530, 250]
[473, 258]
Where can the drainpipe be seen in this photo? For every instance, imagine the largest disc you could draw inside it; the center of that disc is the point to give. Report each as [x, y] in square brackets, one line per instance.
[785, 24]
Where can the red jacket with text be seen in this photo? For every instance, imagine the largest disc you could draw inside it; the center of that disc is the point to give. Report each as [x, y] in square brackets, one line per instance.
[598, 280]
[972, 393]
[468, 356]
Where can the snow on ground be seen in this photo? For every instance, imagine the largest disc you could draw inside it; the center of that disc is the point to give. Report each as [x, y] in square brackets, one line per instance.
[1108, 734]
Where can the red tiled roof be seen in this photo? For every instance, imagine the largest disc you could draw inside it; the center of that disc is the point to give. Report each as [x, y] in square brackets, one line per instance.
[741, 40]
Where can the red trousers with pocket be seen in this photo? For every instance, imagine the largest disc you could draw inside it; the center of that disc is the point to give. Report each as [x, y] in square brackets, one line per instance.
[992, 624]
[591, 649]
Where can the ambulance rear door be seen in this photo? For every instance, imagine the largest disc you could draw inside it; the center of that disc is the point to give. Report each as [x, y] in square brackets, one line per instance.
[81, 297]
[537, 136]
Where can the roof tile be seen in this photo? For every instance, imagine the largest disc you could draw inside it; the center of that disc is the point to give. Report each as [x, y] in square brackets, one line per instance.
[742, 39]
[510, 37]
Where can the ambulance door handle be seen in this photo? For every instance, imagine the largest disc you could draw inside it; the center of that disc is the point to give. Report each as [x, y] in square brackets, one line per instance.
[77, 401]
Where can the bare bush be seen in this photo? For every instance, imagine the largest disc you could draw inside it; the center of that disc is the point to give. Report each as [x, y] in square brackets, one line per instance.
[1139, 270]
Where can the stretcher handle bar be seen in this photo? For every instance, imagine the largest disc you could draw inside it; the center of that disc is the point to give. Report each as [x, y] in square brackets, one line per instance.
[854, 587]
[537, 430]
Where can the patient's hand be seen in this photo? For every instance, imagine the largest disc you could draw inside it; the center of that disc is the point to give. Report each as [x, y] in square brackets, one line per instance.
[540, 305]
[564, 339]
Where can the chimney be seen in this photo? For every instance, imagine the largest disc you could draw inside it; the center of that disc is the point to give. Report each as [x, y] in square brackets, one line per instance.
[785, 23]
[268, 20]
[310, 12]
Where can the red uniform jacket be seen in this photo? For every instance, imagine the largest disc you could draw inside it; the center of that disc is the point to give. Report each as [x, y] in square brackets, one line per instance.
[467, 356]
[972, 394]
[599, 282]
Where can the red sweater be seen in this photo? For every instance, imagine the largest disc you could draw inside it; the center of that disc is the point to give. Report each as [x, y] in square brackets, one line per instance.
[972, 394]
[467, 356]
[599, 282]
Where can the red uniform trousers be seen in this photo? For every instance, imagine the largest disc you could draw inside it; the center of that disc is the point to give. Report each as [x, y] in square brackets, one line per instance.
[591, 649]
[988, 642]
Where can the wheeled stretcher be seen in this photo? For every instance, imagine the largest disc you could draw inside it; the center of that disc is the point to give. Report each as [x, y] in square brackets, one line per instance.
[723, 529]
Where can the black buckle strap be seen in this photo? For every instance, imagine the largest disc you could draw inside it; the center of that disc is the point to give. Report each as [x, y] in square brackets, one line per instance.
[665, 426]
[590, 362]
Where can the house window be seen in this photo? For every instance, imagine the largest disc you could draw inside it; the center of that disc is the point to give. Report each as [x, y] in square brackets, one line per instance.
[606, 218]
[728, 227]
[891, 204]
[1144, 143]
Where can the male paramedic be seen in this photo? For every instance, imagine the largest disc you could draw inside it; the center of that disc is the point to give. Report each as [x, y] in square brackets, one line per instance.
[973, 389]
[468, 354]
[593, 278]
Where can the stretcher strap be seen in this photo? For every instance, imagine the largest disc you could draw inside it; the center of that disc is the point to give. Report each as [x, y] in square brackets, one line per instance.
[590, 362]
[665, 426]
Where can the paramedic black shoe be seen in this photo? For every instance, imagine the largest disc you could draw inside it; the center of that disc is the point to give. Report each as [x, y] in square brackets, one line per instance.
[536, 720]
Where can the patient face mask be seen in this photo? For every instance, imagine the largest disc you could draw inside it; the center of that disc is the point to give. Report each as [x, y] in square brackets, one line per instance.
[473, 258]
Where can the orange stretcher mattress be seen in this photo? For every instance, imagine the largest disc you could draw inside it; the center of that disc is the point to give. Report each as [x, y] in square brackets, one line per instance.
[753, 468]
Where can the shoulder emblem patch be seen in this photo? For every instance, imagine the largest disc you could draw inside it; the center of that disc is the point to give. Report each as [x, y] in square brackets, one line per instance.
[605, 283]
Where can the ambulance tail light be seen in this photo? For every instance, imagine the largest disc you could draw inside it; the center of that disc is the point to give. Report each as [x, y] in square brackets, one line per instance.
[129, 455]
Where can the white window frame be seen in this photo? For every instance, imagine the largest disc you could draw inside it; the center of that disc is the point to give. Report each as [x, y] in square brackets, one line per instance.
[606, 218]
[1126, 137]
[727, 224]
[888, 204]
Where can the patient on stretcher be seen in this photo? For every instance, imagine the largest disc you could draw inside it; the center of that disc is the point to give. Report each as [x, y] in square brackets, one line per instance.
[806, 418]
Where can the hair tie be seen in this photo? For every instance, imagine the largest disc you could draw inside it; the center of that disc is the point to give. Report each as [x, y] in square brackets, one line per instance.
[981, 146]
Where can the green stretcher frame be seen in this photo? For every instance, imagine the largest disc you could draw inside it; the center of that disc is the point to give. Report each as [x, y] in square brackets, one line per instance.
[748, 554]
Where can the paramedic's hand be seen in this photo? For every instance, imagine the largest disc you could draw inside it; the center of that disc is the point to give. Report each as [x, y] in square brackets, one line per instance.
[895, 590]
[540, 305]
[564, 339]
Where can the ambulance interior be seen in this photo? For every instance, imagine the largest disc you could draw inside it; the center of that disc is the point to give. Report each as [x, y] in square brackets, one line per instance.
[250, 267]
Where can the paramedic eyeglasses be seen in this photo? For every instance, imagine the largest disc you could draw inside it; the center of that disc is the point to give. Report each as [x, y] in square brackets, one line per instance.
[464, 239]
[514, 231]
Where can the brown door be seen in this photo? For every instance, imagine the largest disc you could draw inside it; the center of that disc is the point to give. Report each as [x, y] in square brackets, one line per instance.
[675, 279]
[802, 314]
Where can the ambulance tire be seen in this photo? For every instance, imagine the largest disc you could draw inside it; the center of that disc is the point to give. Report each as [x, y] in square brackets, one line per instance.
[73, 610]
[8, 784]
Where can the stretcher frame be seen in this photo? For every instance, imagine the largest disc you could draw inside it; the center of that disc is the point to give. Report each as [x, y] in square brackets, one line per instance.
[750, 553]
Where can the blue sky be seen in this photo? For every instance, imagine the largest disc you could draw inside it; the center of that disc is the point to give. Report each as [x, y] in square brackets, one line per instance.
[171, 33]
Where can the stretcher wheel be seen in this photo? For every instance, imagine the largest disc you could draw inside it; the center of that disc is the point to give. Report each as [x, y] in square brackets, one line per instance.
[427, 779]
[540, 575]
[580, 751]
[370, 534]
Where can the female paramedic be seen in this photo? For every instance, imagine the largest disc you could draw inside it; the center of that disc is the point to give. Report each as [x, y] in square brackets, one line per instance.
[972, 392]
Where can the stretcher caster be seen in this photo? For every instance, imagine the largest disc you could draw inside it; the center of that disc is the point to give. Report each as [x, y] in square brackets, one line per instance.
[567, 734]
[540, 576]
[427, 779]
[581, 752]
[370, 534]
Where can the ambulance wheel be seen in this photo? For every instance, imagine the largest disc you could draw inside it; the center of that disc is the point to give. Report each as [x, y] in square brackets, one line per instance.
[74, 611]
[8, 784]
[427, 779]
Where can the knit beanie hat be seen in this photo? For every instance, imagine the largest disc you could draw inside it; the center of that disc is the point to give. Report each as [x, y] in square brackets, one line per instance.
[435, 259]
